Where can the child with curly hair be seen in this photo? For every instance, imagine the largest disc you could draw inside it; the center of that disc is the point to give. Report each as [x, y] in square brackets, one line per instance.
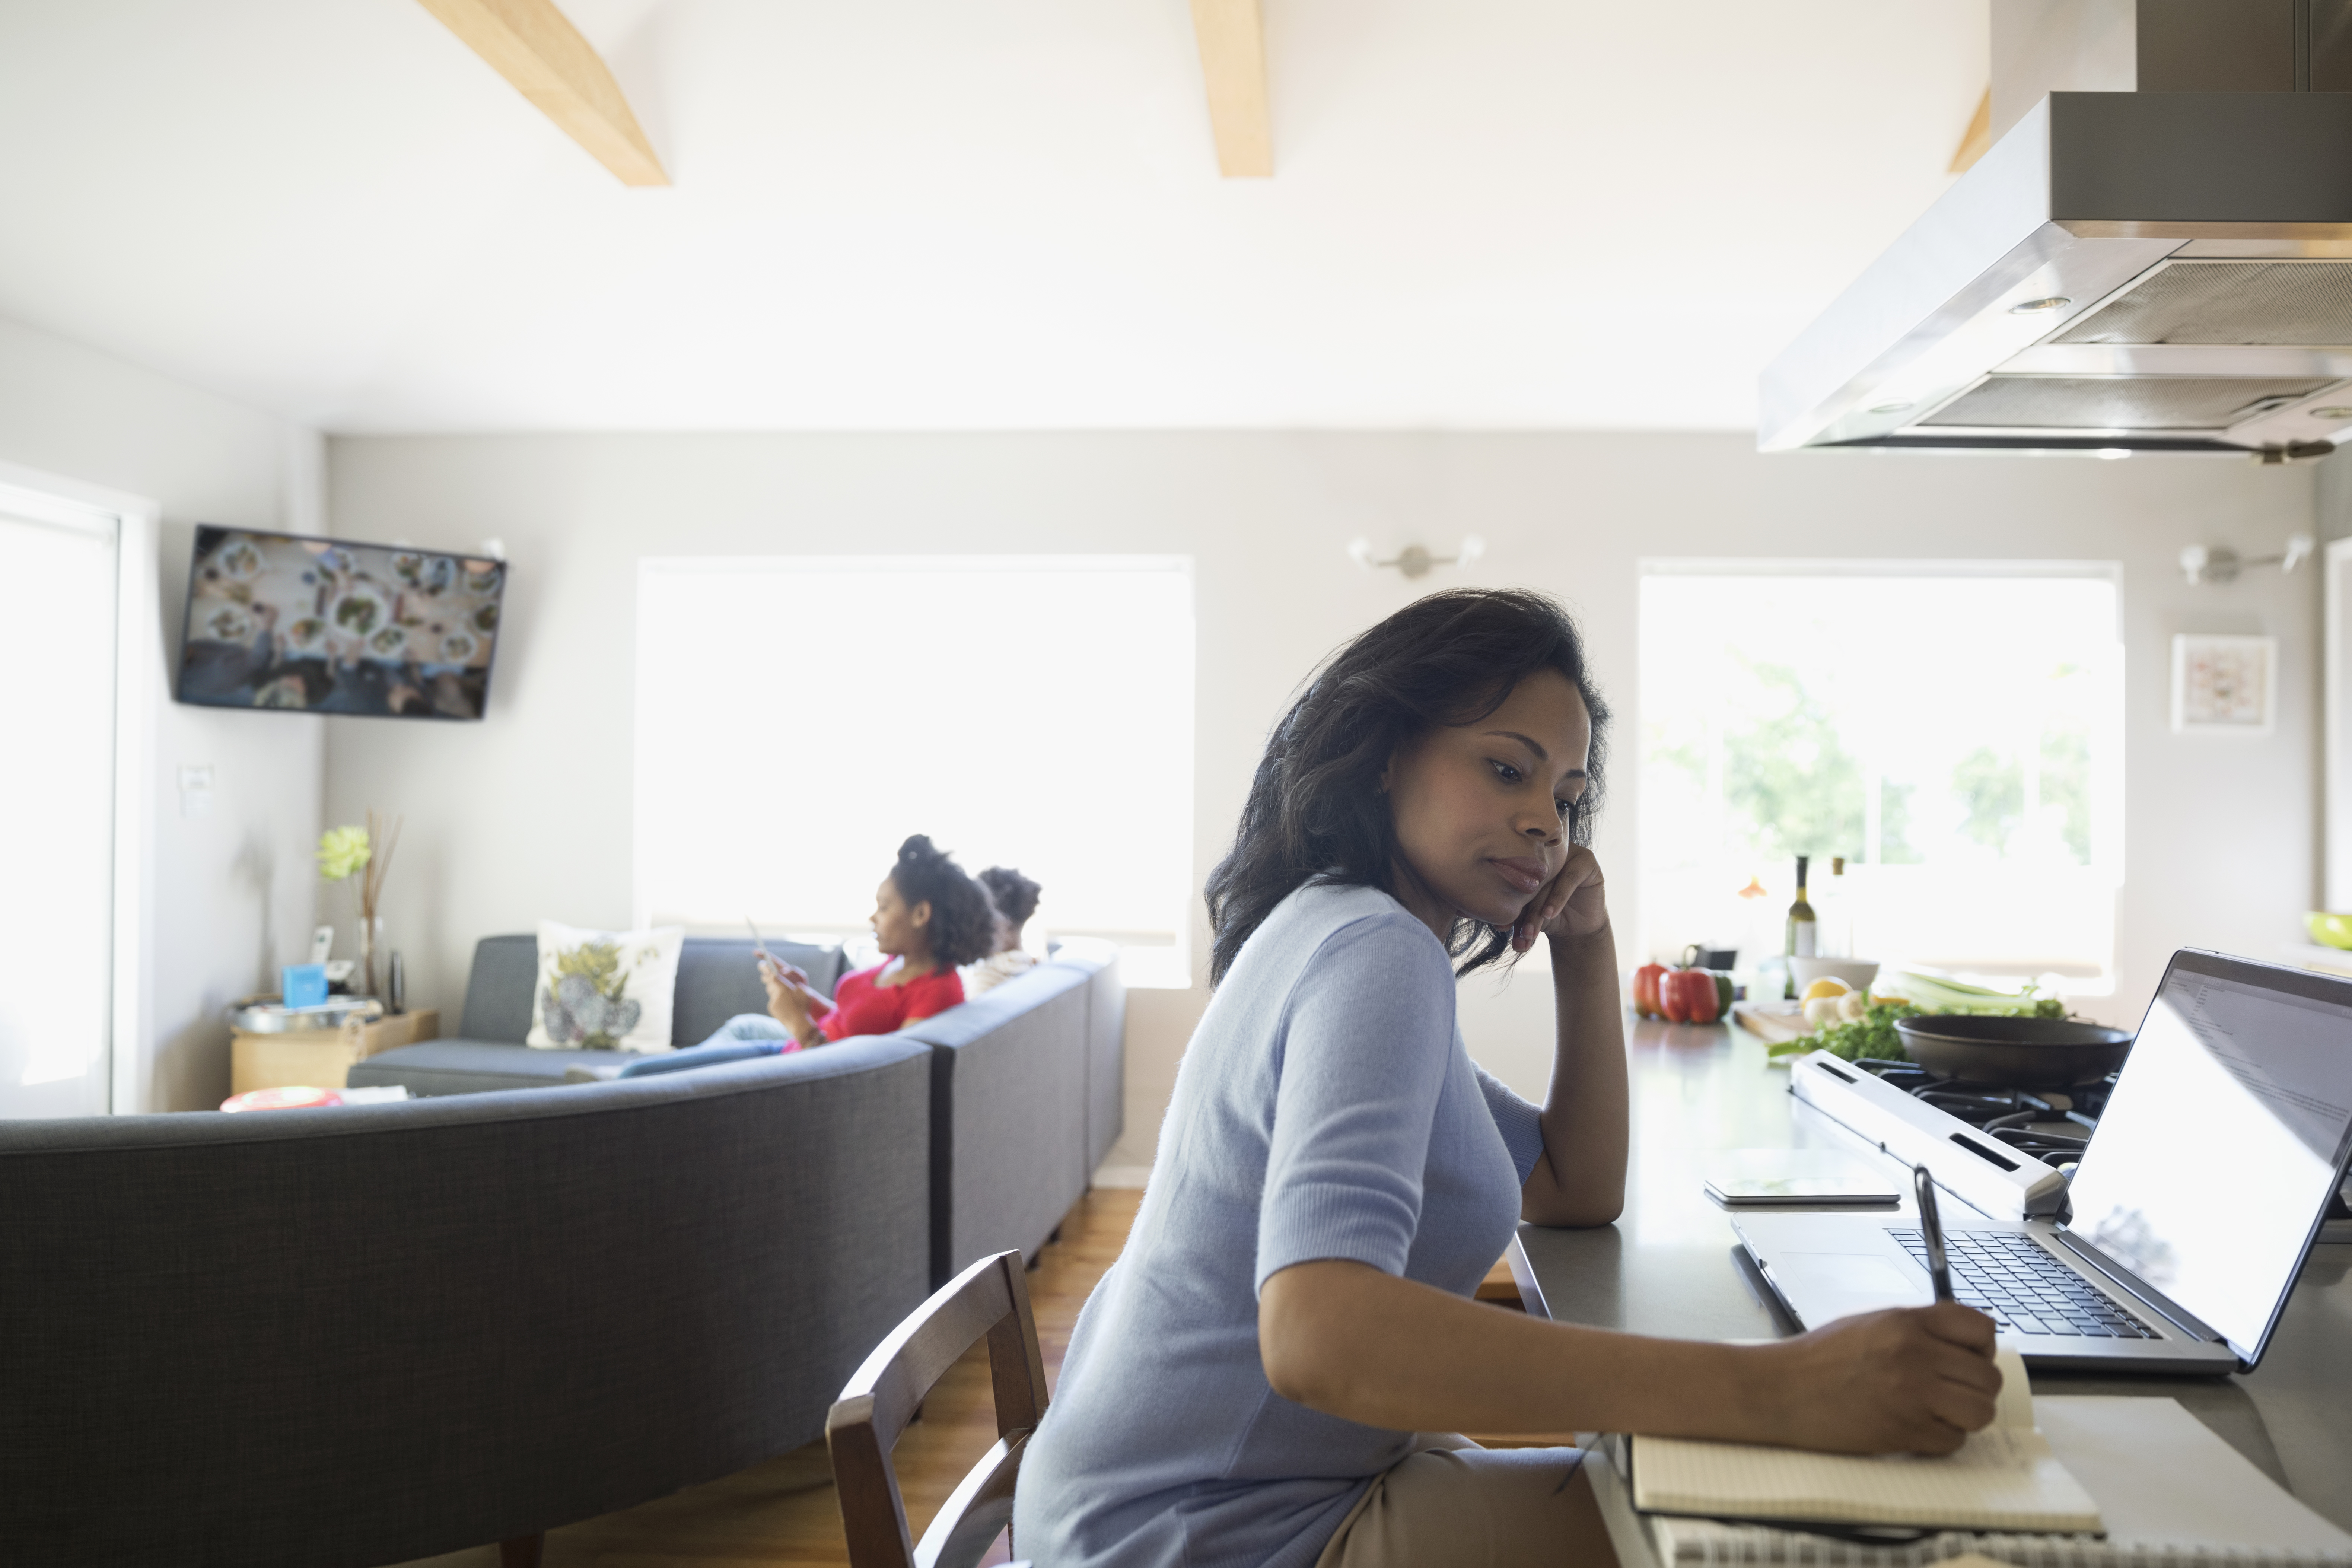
[1016, 898]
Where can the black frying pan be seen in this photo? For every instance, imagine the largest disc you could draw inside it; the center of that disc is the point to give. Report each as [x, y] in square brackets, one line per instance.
[2029, 1053]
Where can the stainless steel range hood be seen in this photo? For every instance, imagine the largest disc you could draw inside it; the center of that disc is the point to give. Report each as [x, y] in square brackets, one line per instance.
[2150, 270]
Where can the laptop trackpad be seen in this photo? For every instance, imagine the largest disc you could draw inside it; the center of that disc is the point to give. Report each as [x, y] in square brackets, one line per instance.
[1822, 1286]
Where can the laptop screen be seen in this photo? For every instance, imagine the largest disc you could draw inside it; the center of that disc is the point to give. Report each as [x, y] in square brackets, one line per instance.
[2223, 1139]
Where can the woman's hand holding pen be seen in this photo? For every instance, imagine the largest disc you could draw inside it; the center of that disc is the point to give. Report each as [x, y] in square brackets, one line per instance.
[1921, 1379]
[1914, 1379]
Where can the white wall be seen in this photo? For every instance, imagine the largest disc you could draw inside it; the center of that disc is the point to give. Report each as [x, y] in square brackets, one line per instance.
[528, 814]
[231, 892]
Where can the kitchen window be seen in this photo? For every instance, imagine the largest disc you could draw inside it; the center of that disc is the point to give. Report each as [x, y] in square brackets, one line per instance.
[798, 716]
[1952, 729]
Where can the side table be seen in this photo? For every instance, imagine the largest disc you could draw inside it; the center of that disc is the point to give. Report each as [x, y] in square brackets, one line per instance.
[319, 1057]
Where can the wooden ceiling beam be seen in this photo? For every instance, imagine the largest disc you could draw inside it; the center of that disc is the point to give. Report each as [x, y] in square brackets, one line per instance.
[1978, 138]
[536, 48]
[1231, 34]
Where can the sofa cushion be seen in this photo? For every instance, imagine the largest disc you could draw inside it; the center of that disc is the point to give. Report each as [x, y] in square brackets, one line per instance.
[473, 1067]
[717, 978]
[497, 993]
[605, 990]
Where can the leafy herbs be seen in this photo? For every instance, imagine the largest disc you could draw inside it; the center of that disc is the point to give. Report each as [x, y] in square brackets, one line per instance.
[1872, 1034]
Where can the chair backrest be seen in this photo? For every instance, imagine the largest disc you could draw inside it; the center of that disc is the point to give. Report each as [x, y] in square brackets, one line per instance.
[989, 1299]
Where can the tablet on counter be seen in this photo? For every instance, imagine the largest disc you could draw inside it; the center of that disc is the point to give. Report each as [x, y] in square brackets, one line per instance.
[1749, 1178]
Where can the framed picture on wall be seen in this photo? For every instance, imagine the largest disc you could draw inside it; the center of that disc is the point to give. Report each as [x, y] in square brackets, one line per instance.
[2223, 685]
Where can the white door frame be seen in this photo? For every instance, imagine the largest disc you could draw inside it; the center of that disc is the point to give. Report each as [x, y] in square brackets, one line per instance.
[139, 684]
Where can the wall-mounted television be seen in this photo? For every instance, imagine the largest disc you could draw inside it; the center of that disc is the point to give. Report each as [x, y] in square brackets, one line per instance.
[328, 626]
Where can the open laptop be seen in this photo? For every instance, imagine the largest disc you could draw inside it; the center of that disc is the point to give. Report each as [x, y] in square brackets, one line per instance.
[2192, 1212]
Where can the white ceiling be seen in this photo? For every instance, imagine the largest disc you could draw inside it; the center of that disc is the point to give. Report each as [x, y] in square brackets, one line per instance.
[972, 213]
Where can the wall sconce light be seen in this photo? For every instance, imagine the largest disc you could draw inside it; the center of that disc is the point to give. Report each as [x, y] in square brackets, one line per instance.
[2202, 563]
[1413, 561]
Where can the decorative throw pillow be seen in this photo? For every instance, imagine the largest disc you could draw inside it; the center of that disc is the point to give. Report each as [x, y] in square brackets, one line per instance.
[605, 990]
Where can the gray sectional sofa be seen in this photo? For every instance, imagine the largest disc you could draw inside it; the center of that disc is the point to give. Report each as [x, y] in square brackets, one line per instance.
[1028, 1090]
[371, 1333]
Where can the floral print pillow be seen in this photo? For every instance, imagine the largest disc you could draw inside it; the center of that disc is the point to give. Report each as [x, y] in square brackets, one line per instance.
[604, 991]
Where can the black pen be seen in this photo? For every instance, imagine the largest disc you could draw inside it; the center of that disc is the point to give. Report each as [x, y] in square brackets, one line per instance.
[1931, 1226]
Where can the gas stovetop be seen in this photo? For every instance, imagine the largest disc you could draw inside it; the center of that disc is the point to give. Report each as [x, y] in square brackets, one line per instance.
[1962, 1131]
[2053, 1125]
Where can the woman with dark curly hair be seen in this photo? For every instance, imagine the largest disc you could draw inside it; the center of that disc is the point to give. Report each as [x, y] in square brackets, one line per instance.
[1292, 1312]
[929, 917]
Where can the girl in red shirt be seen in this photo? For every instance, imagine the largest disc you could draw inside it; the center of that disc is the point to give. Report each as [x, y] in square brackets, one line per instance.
[928, 918]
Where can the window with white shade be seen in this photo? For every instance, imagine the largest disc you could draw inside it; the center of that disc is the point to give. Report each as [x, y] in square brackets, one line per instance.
[797, 717]
[57, 713]
[1953, 730]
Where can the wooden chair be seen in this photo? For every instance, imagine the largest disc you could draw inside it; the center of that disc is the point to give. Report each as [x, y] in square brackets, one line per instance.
[991, 1298]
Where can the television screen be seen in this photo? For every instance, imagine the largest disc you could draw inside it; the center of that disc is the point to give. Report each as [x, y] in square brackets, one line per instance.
[325, 625]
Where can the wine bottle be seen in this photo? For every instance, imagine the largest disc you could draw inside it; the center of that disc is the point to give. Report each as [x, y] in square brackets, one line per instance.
[1833, 915]
[1802, 927]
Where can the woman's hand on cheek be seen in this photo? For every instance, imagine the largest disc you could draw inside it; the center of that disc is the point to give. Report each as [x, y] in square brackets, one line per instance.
[1573, 903]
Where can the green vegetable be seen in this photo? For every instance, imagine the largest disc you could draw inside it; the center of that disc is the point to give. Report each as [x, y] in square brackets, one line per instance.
[1872, 1034]
[1933, 993]
[1945, 983]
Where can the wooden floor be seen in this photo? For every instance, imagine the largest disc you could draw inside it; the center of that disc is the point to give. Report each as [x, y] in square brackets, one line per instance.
[783, 1511]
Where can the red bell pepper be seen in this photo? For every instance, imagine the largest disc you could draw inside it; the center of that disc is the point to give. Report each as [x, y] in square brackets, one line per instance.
[1705, 1004]
[1647, 1003]
[1688, 995]
[1670, 996]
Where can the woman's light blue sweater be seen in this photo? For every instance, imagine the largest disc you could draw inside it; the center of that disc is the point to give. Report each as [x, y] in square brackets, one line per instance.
[1326, 1108]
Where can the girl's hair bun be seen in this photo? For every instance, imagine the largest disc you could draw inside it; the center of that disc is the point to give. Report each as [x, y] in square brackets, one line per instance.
[963, 923]
[1014, 895]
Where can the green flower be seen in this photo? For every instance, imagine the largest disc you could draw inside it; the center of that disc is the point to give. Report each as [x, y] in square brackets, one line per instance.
[343, 851]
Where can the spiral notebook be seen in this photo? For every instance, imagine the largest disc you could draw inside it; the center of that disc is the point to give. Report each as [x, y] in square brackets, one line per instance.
[2171, 1492]
[2003, 1477]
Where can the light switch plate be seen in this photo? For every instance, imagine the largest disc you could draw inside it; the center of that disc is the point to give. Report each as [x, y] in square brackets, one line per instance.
[195, 789]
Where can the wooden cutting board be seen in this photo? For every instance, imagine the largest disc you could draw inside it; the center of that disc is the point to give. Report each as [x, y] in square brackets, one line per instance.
[1772, 1021]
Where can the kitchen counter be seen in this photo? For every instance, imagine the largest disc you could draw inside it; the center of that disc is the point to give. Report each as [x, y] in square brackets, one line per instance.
[1672, 1266]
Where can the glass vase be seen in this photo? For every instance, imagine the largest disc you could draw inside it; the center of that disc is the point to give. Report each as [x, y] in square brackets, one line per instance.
[371, 939]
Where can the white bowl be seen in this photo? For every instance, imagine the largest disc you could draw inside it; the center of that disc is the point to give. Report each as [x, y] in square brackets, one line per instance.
[1857, 973]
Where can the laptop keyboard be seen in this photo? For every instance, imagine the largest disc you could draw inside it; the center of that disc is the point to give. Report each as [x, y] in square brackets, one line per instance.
[2024, 1290]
